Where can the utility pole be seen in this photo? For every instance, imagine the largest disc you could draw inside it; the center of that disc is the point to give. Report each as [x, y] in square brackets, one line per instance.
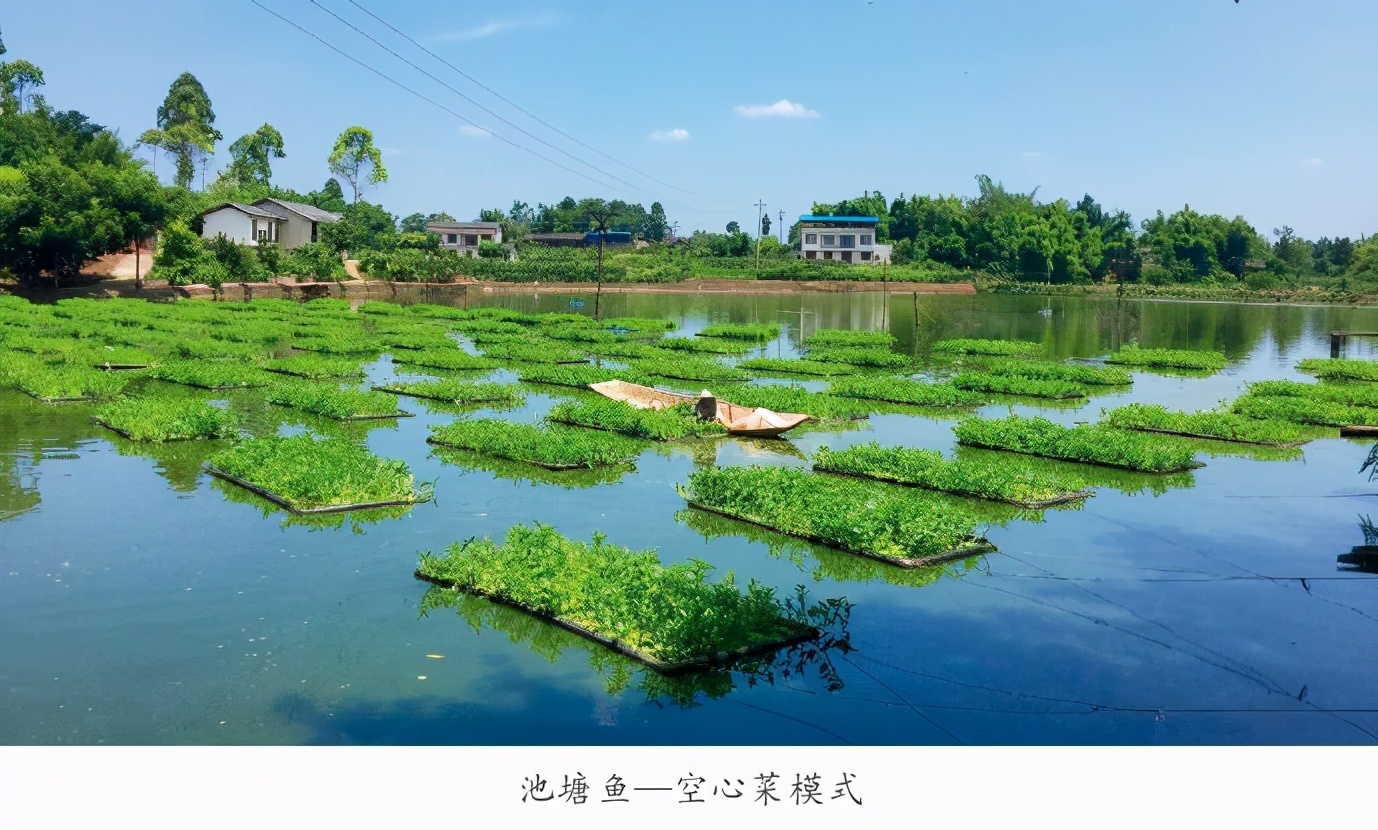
[782, 227]
[760, 207]
[599, 220]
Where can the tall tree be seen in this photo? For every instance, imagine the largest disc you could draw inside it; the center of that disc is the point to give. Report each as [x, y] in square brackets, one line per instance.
[356, 160]
[186, 127]
[17, 80]
[656, 227]
[733, 227]
[251, 155]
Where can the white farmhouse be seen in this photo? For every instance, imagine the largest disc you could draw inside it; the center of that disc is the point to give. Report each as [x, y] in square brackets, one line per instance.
[289, 224]
[464, 237]
[841, 238]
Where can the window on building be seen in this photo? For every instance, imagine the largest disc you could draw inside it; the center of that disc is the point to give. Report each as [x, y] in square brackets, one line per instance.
[451, 238]
[848, 240]
[471, 240]
[829, 240]
[253, 229]
[865, 256]
[810, 239]
[865, 239]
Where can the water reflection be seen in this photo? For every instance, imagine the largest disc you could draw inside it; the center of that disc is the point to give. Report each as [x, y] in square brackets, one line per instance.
[1362, 558]
[809, 663]
[177, 461]
[356, 519]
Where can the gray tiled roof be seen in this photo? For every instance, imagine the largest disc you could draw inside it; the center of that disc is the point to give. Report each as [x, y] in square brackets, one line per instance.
[311, 212]
[251, 210]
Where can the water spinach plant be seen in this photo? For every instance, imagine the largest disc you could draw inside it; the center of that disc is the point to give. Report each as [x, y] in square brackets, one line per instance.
[670, 617]
[555, 447]
[889, 524]
[579, 376]
[1018, 385]
[315, 367]
[874, 357]
[450, 359]
[1350, 394]
[212, 374]
[770, 366]
[1299, 410]
[847, 338]
[1336, 368]
[987, 347]
[331, 401]
[1219, 426]
[1199, 361]
[675, 423]
[688, 368]
[759, 332]
[983, 479]
[1086, 444]
[905, 391]
[307, 474]
[457, 392]
[163, 419]
[1052, 370]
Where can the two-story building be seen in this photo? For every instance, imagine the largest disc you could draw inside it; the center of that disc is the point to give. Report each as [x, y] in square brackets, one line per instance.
[464, 237]
[841, 238]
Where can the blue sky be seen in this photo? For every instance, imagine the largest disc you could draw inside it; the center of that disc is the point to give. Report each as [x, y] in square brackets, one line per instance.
[1264, 109]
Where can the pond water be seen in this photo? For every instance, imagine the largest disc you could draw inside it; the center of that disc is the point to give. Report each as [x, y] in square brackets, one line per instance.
[142, 602]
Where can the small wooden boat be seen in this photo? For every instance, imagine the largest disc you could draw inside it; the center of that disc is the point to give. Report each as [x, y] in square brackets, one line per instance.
[739, 420]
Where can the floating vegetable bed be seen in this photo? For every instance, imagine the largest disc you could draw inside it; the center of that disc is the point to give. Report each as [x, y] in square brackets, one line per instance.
[1086, 444]
[308, 475]
[689, 368]
[672, 424]
[786, 366]
[528, 349]
[903, 390]
[456, 391]
[333, 402]
[1016, 385]
[1170, 359]
[858, 356]
[994, 481]
[1050, 370]
[1304, 411]
[707, 345]
[1218, 426]
[452, 359]
[159, 419]
[899, 527]
[1335, 368]
[315, 367]
[849, 339]
[554, 448]
[988, 347]
[579, 376]
[778, 398]
[670, 618]
[1350, 394]
[742, 331]
[211, 374]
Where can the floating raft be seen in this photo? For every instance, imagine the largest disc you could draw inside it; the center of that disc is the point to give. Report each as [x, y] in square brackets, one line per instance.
[1359, 431]
[283, 502]
[977, 546]
[719, 659]
[1028, 505]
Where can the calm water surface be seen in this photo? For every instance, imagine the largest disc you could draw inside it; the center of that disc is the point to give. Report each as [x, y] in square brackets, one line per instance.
[143, 603]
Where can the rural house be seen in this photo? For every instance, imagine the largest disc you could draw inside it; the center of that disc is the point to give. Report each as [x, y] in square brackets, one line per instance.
[289, 224]
[841, 238]
[464, 237]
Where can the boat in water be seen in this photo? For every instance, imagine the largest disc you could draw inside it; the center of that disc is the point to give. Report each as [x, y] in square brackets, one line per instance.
[746, 421]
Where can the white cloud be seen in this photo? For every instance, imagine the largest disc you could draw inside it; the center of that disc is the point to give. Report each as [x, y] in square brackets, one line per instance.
[676, 134]
[494, 27]
[474, 132]
[782, 108]
[1309, 162]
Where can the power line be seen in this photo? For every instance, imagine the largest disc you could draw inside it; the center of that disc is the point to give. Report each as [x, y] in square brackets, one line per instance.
[433, 103]
[472, 101]
[513, 104]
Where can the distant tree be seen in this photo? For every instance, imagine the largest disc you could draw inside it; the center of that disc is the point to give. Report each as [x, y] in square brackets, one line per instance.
[17, 80]
[364, 226]
[252, 154]
[355, 159]
[415, 223]
[655, 228]
[733, 228]
[491, 215]
[330, 197]
[186, 127]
